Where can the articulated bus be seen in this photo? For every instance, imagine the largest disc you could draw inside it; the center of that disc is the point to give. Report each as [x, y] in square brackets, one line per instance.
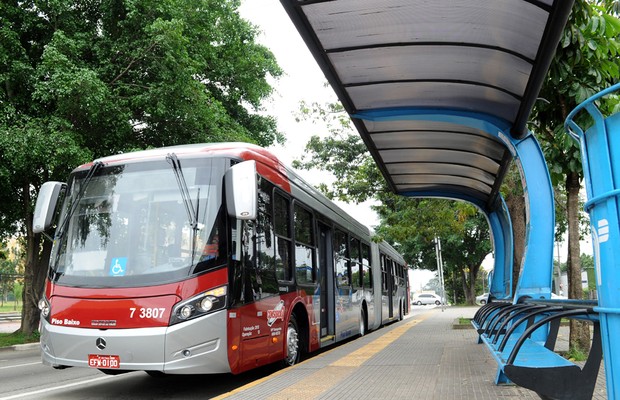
[208, 258]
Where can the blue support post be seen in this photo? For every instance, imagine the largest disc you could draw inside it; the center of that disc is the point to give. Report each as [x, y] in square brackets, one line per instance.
[536, 272]
[537, 266]
[500, 286]
[600, 153]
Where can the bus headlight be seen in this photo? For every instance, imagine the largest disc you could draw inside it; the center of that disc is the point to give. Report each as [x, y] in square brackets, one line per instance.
[201, 304]
[206, 304]
[186, 311]
[44, 307]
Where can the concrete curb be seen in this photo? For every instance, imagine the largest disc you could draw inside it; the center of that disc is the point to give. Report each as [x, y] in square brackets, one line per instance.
[20, 347]
[457, 325]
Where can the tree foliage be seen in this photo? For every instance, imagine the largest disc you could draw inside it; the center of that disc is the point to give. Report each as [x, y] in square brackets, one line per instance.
[585, 63]
[87, 78]
[341, 152]
[414, 224]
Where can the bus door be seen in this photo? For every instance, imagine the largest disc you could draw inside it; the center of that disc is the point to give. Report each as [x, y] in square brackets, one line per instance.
[387, 287]
[326, 278]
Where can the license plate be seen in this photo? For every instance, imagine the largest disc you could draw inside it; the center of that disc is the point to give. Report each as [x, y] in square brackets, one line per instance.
[103, 361]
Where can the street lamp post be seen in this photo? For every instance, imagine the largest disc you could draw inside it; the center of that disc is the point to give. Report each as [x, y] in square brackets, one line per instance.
[440, 270]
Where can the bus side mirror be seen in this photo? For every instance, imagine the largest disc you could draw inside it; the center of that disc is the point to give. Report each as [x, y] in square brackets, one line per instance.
[44, 211]
[241, 190]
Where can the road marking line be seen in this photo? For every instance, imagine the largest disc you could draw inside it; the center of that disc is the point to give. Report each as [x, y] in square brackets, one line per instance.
[22, 365]
[36, 392]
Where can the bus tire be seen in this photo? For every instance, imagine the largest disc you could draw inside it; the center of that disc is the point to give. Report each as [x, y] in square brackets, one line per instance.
[293, 347]
[362, 322]
[401, 311]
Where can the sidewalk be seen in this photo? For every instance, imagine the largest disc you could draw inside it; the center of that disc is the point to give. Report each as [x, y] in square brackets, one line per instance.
[422, 357]
[9, 327]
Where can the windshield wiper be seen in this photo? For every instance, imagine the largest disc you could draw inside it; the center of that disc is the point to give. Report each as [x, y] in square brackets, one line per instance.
[192, 213]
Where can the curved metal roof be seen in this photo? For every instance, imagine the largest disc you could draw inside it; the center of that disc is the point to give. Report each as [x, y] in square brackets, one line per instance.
[430, 82]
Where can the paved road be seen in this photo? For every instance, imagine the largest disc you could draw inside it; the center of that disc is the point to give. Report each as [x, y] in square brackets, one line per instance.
[24, 377]
[422, 357]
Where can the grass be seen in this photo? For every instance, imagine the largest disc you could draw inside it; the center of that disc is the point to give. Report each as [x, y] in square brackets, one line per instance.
[464, 321]
[11, 339]
[10, 307]
[575, 354]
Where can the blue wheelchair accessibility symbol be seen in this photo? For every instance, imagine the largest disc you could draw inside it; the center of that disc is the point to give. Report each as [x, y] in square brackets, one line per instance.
[118, 266]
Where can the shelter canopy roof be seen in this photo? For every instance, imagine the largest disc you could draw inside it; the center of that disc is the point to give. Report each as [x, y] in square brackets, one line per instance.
[430, 83]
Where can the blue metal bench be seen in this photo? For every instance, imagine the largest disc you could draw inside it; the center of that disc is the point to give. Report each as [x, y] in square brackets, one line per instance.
[522, 338]
[600, 157]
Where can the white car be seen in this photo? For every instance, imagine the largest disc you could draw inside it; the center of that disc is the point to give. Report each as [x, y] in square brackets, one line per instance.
[482, 299]
[426, 298]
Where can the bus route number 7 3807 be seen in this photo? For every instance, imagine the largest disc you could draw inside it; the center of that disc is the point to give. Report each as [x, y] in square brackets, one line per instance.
[146, 312]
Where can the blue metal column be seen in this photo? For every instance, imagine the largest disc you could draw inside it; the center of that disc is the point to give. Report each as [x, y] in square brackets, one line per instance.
[600, 153]
[501, 233]
[537, 265]
[536, 272]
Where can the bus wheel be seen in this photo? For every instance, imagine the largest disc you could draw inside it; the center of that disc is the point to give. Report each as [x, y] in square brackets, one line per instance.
[362, 323]
[401, 311]
[293, 353]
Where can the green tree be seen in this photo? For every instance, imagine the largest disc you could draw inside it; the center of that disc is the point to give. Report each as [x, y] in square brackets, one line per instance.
[587, 261]
[585, 63]
[415, 224]
[18, 289]
[88, 78]
[5, 270]
[10, 270]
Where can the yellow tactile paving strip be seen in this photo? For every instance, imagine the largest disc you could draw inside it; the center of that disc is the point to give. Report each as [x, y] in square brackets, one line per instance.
[325, 378]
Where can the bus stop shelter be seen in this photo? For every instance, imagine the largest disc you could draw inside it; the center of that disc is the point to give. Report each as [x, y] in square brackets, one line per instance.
[440, 92]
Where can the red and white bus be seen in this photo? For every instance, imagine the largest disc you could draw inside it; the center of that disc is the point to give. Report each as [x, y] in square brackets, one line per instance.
[205, 258]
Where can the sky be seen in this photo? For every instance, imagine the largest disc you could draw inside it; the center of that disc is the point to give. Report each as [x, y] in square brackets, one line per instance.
[302, 80]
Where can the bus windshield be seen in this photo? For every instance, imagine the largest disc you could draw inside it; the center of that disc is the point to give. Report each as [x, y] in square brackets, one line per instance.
[130, 226]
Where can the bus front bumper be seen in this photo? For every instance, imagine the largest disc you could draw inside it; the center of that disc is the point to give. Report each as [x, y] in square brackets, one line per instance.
[193, 347]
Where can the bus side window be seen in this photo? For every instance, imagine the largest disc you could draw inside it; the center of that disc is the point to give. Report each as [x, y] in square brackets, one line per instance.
[342, 259]
[282, 218]
[366, 270]
[304, 246]
[356, 266]
[264, 260]
[258, 279]
[384, 274]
